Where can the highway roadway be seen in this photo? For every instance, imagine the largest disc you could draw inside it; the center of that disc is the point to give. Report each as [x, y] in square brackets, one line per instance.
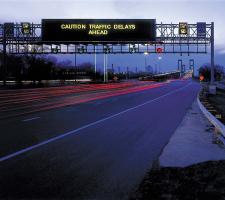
[97, 148]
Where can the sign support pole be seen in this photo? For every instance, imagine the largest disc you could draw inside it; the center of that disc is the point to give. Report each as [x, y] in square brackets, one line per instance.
[4, 56]
[212, 54]
[95, 62]
[106, 67]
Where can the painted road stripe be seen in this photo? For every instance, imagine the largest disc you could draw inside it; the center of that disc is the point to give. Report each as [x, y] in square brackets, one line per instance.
[75, 131]
[30, 119]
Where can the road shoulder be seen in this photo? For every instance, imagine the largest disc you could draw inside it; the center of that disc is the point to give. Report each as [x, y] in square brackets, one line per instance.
[192, 142]
[191, 165]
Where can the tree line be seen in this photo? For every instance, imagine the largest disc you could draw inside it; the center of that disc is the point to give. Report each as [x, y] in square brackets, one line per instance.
[42, 67]
[219, 72]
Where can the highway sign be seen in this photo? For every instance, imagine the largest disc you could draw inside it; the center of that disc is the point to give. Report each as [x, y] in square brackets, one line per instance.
[201, 29]
[101, 30]
[9, 29]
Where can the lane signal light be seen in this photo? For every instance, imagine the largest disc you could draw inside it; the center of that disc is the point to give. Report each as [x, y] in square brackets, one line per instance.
[159, 50]
[183, 28]
[26, 28]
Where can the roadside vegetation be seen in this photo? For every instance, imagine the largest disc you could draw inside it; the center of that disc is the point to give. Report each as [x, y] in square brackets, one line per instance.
[36, 68]
[200, 182]
[205, 71]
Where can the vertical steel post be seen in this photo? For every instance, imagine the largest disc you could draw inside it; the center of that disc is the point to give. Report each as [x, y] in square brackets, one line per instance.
[112, 69]
[75, 64]
[145, 64]
[212, 54]
[4, 56]
[192, 66]
[180, 63]
[95, 61]
[104, 68]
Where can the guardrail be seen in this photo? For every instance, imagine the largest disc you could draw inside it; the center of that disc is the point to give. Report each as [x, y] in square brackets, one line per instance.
[220, 127]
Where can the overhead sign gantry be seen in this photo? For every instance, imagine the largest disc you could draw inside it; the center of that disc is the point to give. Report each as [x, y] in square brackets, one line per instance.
[106, 36]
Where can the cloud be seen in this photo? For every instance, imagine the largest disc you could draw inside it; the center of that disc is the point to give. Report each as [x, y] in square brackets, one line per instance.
[220, 50]
[165, 11]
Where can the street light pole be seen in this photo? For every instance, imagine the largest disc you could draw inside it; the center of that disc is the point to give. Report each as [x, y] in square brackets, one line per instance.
[75, 64]
[95, 61]
[145, 64]
[145, 54]
[160, 58]
[104, 67]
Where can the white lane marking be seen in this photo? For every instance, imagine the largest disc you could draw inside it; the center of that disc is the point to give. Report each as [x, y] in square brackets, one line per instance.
[30, 119]
[7, 157]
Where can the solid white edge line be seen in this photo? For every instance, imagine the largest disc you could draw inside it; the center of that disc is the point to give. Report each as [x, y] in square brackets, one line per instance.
[7, 157]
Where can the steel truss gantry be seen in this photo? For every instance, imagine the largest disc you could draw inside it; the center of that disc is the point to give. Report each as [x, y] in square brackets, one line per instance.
[167, 38]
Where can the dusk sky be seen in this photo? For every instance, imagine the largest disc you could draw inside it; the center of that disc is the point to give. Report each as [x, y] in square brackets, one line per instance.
[163, 11]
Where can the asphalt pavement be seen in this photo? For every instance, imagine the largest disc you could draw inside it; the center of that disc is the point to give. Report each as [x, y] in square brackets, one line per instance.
[99, 149]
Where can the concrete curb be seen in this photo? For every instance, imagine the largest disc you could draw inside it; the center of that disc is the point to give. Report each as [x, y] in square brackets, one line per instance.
[218, 125]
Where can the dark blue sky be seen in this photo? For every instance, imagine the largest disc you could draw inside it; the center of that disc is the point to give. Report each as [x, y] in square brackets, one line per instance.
[163, 11]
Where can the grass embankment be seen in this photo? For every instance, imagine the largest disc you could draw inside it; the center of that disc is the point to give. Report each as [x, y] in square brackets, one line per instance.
[197, 182]
[218, 101]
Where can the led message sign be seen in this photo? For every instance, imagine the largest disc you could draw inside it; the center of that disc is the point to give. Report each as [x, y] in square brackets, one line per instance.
[101, 30]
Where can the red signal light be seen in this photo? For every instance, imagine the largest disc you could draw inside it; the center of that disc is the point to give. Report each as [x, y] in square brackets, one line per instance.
[159, 50]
